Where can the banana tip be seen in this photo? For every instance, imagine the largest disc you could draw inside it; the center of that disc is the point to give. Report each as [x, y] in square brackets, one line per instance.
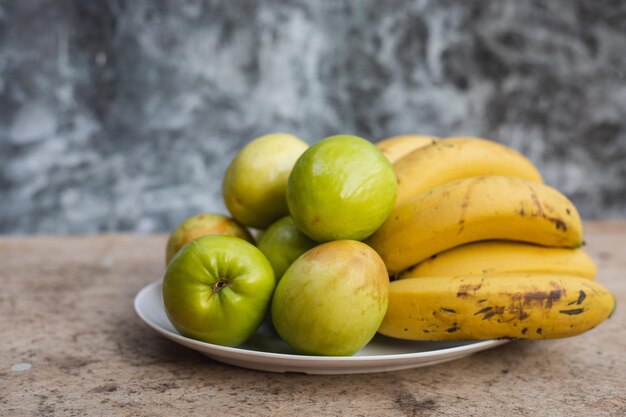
[614, 306]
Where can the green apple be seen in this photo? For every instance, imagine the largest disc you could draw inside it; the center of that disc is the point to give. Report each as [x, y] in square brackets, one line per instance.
[200, 225]
[255, 182]
[332, 299]
[217, 289]
[282, 243]
[342, 187]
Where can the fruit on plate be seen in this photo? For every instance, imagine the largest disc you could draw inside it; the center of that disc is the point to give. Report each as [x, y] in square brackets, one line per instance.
[501, 257]
[342, 187]
[456, 158]
[474, 209]
[255, 182]
[217, 289]
[282, 243]
[332, 299]
[200, 225]
[524, 306]
[396, 147]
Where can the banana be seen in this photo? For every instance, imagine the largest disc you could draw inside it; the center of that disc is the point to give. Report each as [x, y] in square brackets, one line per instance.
[521, 307]
[497, 257]
[455, 158]
[474, 209]
[396, 147]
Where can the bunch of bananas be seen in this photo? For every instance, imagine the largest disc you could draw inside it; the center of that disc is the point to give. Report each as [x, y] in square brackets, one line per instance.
[482, 248]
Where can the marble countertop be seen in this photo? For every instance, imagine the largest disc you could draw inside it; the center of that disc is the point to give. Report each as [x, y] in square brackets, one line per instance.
[72, 345]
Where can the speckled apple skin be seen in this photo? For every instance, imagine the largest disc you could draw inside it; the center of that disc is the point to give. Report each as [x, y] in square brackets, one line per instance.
[342, 187]
[255, 182]
[217, 289]
[332, 299]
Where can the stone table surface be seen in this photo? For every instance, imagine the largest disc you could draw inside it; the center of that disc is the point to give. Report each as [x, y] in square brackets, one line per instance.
[71, 344]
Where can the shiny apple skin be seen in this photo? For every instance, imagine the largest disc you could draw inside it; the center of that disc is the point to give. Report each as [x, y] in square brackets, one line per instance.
[282, 243]
[342, 187]
[332, 299]
[217, 289]
[255, 182]
[200, 225]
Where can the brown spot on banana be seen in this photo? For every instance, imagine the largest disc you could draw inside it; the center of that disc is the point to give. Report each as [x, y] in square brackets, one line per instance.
[414, 237]
[540, 297]
[493, 312]
[461, 226]
[466, 201]
[558, 223]
[464, 290]
[520, 307]
[572, 311]
[581, 297]
[484, 310]
[535, 198]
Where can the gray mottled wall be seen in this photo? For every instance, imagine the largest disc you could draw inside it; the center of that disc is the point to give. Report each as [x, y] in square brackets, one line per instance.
[122, 115]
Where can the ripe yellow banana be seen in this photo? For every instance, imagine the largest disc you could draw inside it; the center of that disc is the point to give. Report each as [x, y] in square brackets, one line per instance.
[474, 209]
[452, 159]
[497, 257]
[396, 147]
[465, 308]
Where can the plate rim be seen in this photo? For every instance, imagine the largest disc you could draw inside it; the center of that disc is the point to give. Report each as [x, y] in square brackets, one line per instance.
[330, 360]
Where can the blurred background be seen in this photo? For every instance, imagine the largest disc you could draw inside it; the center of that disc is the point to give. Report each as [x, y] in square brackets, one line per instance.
[123, 115]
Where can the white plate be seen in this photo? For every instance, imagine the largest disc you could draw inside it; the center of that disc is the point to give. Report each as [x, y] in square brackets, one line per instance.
[265, 351]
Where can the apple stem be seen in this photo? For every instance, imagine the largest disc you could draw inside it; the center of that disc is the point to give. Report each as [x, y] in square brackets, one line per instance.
[220, 284]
